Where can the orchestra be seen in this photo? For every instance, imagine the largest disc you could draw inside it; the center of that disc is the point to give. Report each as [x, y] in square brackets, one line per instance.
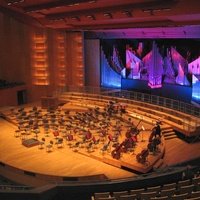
[105, 127]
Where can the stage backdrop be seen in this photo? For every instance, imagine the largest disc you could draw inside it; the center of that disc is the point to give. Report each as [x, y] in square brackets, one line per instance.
[165, 67]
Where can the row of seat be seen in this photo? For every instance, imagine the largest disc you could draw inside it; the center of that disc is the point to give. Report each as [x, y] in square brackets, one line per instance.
[183, 189]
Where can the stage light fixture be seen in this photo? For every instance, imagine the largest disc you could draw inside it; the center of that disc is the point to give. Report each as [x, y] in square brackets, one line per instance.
[127, 13]
[76, 18]
[108, 15]
[11, 2]
[91, 17]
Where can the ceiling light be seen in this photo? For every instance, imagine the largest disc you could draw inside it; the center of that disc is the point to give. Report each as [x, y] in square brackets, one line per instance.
[74, 4]
[108, 15]
[127, 13]
[76, 18]
[91, 17]
[10, 2]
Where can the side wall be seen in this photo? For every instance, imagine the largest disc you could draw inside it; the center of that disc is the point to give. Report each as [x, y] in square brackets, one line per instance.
[17, 59]
[92, 62]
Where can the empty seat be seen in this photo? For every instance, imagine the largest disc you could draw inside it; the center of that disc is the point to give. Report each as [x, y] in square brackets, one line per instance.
[168, 192]
[184, 183]
[195, 194]
[147, 195]
[196, 180]
[179, 196]
[195, 198]
[137, 192]
[128, 197]
[118, 194]
[197, 187]
[169, 186]
[99, 195]
[154, 189]
[159, 198]
[186, 189]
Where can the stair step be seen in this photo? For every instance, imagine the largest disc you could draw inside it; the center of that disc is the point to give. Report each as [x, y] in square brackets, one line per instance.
[171, 137]
[165, 127]
[168, 130]
[169, 134]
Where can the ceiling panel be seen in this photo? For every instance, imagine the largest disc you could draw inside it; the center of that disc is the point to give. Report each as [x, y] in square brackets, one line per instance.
[103, 14]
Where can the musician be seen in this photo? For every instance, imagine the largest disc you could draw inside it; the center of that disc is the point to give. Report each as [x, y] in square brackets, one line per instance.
[157, 130]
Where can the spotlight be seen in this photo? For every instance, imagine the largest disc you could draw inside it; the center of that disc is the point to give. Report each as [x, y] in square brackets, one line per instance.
[91, 17]
[10, 2]
[127, 13]
[108, 15]
[76, 18]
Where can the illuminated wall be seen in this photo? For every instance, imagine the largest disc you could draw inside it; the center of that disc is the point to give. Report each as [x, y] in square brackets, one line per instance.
[109, 77]
[40, 65]
[196, 88]
[194, 68]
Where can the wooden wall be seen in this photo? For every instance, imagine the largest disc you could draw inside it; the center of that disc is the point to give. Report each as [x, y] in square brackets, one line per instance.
[14, 53]
[17, 57]
[92, 61]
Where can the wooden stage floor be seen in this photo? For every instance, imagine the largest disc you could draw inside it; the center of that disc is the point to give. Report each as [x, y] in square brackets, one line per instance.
[63, 162]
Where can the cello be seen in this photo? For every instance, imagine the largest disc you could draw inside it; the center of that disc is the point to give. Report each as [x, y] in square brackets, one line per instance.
[122, 148]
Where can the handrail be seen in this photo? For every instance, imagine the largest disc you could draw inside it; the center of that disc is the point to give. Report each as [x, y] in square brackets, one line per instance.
[174, 105]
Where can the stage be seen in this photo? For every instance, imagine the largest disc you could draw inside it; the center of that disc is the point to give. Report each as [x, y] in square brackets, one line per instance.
[71, 164]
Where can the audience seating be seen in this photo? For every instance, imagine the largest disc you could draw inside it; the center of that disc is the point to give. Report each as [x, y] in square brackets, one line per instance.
[128, 197]
[154, 189]
[99, 195]
[186, 189]
[180, 190]
[148, 195]
[137, 192]
[159, 198]
[169, 186]
[195, 194]
[118, 194]
[184, 183]
[179, 196]
[168, 192]
[195, 198]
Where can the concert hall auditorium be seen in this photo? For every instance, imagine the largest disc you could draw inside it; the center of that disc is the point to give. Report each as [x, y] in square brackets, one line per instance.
[100, 100]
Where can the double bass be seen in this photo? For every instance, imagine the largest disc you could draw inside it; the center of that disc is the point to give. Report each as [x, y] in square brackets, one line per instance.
[122, 148]
[155, 138]
[134, 131]
[142, 156]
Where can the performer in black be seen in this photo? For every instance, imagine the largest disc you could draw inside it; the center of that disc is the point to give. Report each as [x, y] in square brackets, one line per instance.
[157, 130]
